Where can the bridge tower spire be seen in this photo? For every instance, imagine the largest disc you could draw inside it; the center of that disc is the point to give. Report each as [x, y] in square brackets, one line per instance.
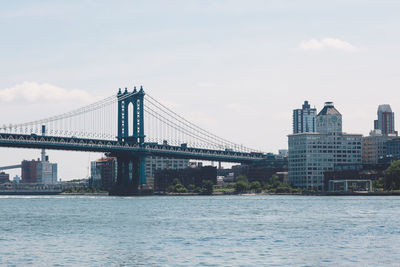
[136, 98]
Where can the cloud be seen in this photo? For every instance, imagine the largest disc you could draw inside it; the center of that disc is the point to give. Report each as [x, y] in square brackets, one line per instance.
[327, 43]
[33, 92]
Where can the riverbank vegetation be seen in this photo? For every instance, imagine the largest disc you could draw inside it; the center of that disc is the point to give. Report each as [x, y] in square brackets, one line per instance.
[391, 178]
[207, 188]
[274, 186]
[241, 186]
[83, 190]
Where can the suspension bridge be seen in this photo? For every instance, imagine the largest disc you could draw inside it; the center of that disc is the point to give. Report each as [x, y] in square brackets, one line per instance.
[129, 128]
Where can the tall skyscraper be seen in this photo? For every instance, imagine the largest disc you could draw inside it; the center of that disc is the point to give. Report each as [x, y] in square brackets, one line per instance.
[311, 154]
[329, 120]
[385, 121]
[304, 119]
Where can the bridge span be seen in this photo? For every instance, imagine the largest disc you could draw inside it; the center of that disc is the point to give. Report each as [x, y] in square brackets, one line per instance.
[115, 147]
[131, 129]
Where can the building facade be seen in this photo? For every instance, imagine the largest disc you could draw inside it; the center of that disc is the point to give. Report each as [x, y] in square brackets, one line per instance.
[189, 176]
[38, 171]
[385, 121]
[103, 173]
[355, 172]
[4, 177]
[104, 170]
[154, 164]
[393, 149]
[304, 119]
[28, 171]
[263, 170]
[374, 146]
[311, 154]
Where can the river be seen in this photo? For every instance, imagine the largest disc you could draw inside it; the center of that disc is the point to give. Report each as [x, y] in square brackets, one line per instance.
[200, 231]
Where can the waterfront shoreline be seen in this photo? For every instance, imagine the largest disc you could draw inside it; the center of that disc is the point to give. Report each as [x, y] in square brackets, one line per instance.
[85, 194]
[31, 193]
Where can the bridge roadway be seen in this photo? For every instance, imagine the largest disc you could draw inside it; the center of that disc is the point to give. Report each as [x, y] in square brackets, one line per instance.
[114, 147]
[3, 168]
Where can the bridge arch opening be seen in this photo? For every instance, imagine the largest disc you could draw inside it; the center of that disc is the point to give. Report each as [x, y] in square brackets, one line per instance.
[130, 119]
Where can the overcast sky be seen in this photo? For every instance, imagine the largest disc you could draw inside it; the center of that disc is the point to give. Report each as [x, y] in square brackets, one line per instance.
[236, 68]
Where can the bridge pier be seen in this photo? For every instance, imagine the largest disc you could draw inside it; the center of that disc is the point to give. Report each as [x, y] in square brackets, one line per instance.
[131, 173]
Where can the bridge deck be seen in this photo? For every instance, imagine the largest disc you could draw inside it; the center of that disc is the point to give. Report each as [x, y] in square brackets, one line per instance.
[148, 149]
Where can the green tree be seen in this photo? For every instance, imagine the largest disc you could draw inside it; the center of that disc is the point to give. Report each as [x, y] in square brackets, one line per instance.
[171, 188]
[197, 190]
[242, 178]
[242, 186]
[275, 181]
[255, 186]
[391, 177]
[267, 187]
[283, 188]
[208, 187]
[191, 187]
[179, 188]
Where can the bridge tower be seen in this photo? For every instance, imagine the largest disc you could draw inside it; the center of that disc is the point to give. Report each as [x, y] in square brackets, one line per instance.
[136, 98]
[131, 169]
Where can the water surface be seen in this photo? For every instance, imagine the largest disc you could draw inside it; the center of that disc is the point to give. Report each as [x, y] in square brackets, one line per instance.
[200, 230]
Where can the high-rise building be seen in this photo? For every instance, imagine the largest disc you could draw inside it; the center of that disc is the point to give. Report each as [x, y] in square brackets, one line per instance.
[385, 121]
[103, 172]
[304, 119]
[374, 146]
[28, 171]
[39, 171]
[311, 154]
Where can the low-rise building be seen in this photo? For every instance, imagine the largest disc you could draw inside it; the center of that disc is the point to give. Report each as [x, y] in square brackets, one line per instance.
[4, 177]
[189, 176]
[354, 172]
[154, 164]
[262, 170]
[16, 179]
[350, 186]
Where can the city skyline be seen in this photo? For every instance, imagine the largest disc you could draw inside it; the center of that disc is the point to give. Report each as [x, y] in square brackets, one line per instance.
[249, 63]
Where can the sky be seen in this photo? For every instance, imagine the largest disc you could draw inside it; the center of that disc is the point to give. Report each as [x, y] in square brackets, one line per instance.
[235, 68]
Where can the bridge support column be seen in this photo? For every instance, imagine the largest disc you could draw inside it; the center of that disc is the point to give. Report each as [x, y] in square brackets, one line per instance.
[142, 171]
[127, 176]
